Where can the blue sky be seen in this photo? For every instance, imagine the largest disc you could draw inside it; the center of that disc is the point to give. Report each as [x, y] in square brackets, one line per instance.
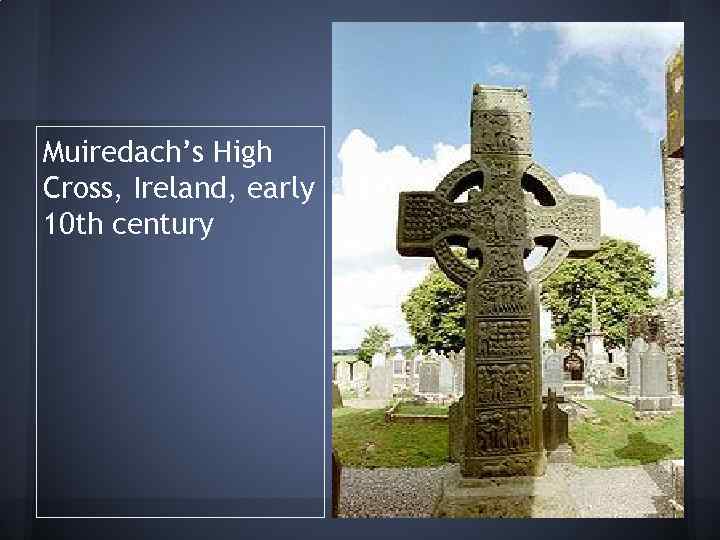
[598, 110]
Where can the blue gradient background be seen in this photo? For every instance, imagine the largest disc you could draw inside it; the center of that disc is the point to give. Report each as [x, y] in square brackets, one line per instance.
[158, 353]
[262, 63]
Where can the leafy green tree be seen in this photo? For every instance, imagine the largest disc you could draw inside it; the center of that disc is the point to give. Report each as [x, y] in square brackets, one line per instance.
[375, 337]
[435, 313]
[621, 276]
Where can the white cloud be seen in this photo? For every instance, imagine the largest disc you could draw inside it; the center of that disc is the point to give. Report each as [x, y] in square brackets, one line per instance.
[482, 25]
[641, 47]
[503, 71]
[517, 28]
[370, 279]
[594, 93]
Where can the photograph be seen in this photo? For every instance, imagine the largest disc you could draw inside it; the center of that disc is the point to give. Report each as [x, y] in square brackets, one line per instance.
[508, 213]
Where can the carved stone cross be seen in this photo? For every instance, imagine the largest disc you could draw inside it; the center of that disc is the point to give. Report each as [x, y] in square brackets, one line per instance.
[513, 205]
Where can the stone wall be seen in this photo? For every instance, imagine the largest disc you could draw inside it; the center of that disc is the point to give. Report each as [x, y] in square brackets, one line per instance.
[675, 96]
[665, 326]
[674, 186]
[673, 312]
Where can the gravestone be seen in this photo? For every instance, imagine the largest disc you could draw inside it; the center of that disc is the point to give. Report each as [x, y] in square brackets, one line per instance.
[555, 431]
[455, 425]
[459, 374]
[336, 476]
[653, 372]
[342, 374]
[619, 361]
[429, 376]
[398, 363]
[337, 402]
[380, 382]
[416, 363]
[499, 224]
[637, 348]
[380, 376]
[575, 366]
[360, 377]
[552, 377]
[654, 399]
[446, 375]
[360, 371]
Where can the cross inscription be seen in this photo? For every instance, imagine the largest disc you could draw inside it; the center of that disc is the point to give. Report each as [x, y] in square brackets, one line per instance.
[513, 204]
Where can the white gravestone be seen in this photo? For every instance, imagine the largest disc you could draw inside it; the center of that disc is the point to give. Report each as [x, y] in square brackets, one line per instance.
[553, 374]
[633, 365]
[360, 377]
[380, 382]
[653, 372]
[342, 374]
[446, 375]
[429, 376]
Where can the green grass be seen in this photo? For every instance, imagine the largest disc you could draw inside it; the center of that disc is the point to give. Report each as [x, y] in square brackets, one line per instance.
[363, 439]
[618, 439]
[427, 410]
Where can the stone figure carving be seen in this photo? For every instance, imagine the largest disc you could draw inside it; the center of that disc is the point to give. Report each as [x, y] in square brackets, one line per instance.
[513, 204]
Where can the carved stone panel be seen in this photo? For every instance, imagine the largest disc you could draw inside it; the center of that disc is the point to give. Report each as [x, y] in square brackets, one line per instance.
[504, 430]
[508, 338]
[500, 384]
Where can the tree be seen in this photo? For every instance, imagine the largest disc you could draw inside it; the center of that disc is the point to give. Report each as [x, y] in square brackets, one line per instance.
[620, 274]
[435, 312]
[375, 337]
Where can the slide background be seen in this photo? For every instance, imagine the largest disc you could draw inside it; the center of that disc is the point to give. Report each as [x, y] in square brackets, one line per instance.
[269, 63]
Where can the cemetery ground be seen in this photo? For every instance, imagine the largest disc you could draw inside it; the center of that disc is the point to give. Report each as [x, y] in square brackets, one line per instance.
[621, 464]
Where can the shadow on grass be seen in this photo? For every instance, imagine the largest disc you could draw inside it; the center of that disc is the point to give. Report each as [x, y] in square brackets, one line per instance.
[640, 449]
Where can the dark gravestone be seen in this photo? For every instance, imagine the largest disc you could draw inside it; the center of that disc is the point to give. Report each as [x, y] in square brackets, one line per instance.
[575, 366]
[513, 204]
[555, 423]
[429, 376]
[336, 474]
[455, 422]
[337, 401]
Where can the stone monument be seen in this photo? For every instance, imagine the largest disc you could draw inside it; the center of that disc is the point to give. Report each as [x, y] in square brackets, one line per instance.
[459, 374]
[619, 361]
[337, 402]
[553, 374]
[654, 399]
[429, 376]
[513, 204]
[380, 378]
[446, 375]
[633, 366]
[360, 377]
[398, 363]
[342, 374]
[555, 431]
[595, 353]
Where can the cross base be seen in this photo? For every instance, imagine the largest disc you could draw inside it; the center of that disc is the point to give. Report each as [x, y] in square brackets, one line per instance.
[525, 464]
[517, 497]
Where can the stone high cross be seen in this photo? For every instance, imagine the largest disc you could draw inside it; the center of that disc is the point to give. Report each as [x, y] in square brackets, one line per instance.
[513, 205]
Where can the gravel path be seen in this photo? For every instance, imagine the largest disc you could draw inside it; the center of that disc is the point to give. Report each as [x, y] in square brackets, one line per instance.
[622, 492]
[390, 492]
[625, 492]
